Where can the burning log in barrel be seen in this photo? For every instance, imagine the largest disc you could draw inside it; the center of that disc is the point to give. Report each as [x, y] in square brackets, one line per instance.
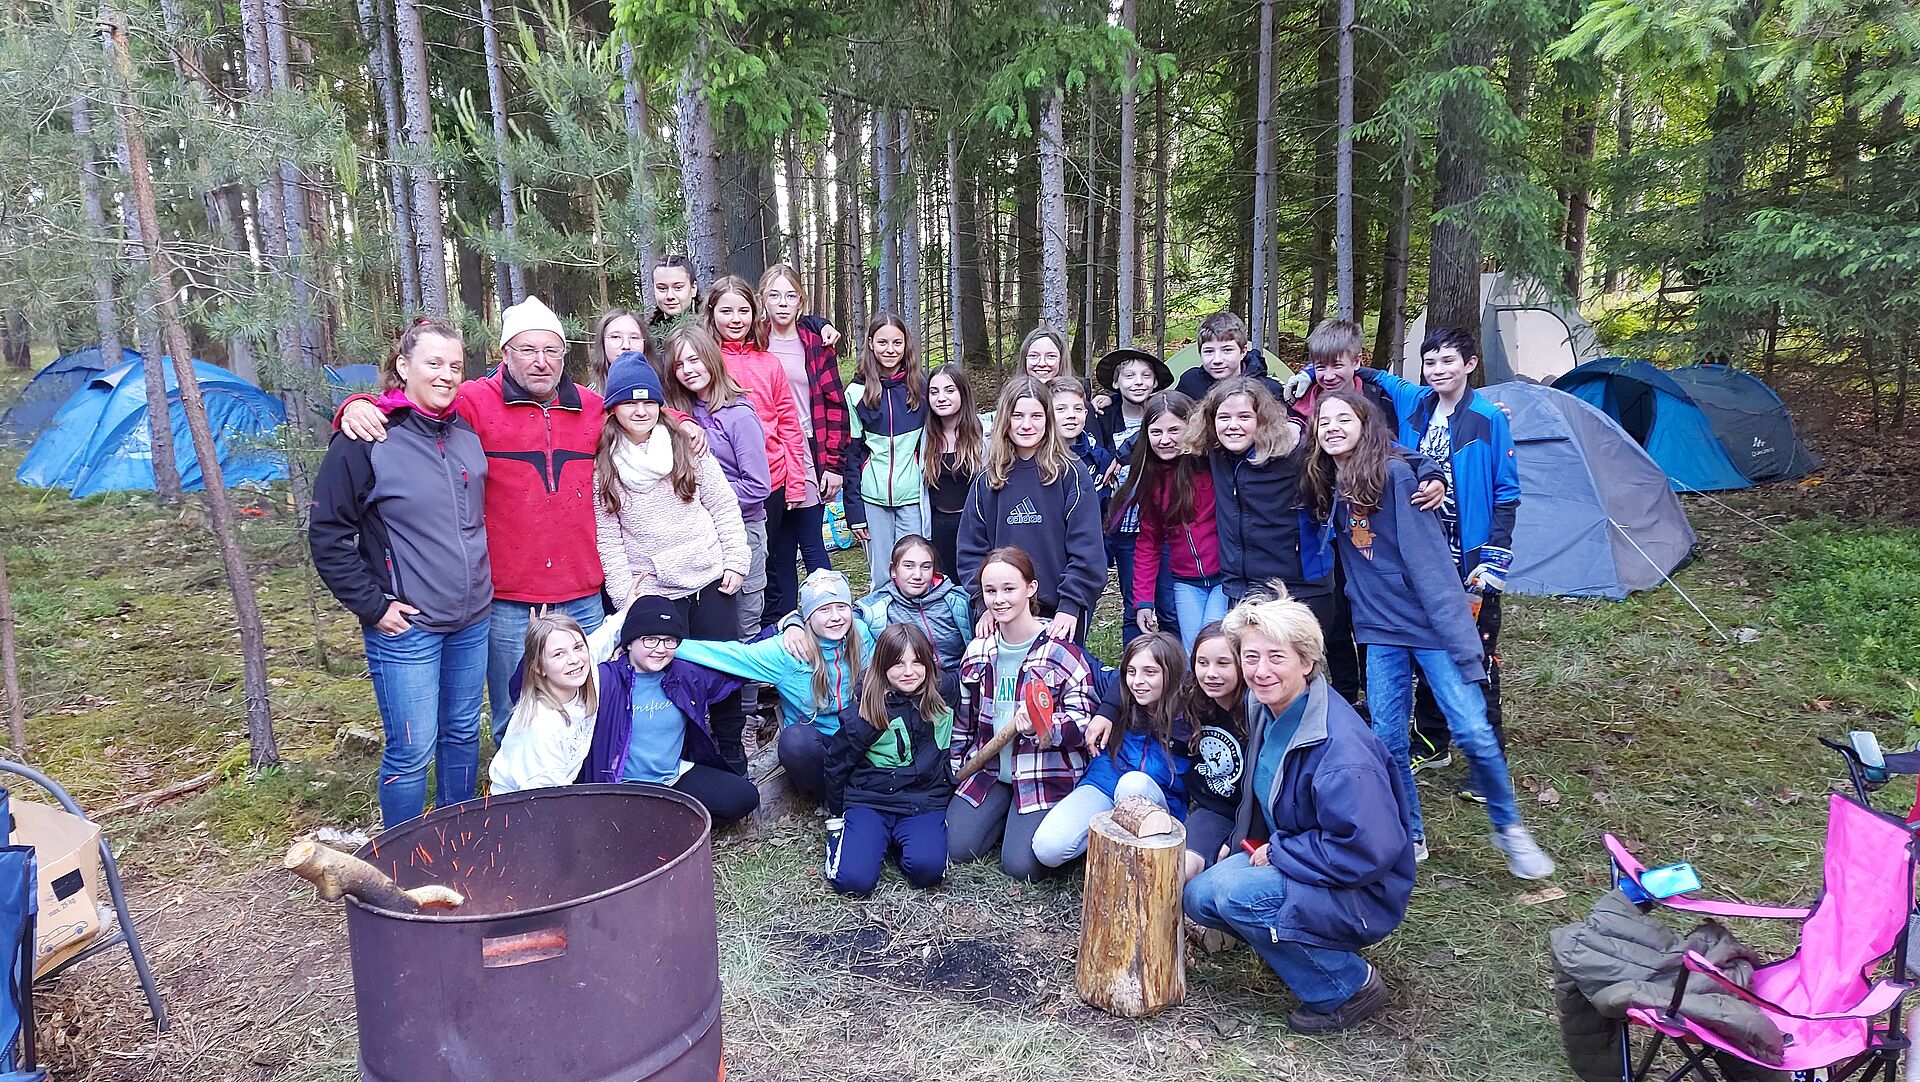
[336, 875]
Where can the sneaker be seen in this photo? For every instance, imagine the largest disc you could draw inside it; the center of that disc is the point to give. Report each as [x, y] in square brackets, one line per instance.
[1359, 1007]
[1420, 853]
[1443, 758]
[1469, 794]
[1525, 858]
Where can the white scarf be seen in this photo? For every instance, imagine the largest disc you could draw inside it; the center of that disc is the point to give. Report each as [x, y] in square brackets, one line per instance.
[642, 465]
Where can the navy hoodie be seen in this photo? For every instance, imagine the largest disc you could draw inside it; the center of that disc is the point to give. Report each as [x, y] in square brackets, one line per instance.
[1265, 531]
[1057, 525]
[1402, 584]
[1195, 382]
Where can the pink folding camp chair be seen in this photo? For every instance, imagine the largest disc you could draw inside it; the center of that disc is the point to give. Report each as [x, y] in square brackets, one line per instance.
[1824, 998]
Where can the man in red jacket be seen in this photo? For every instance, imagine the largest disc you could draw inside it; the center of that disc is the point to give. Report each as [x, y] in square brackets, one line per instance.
[539, 430]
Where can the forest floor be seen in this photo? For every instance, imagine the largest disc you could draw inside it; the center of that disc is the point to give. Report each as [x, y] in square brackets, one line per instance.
[1633, 717]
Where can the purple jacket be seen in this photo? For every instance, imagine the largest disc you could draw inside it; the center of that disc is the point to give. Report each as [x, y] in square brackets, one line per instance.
[735, 435]
[689, 687]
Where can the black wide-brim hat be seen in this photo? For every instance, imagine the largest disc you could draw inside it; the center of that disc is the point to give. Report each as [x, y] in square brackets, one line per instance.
[1109, 364]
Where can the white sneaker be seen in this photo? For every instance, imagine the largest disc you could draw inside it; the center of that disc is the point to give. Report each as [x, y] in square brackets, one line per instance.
[1420, 853]
[1525, 858]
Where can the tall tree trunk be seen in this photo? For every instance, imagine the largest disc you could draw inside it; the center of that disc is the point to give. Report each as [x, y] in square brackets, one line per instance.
[512, 285]
[166, 472]
[1718, 326]
[1618, 201]
[1261, 304]
[746, 198]
[10, 668]
[263, 749]
[1162, 179]
[640, 194]
[1026, 251]
[908, 194]
[1326, 151]
[886, 192]
[1390, 337]
[222, 224]
[796, 206]
[1344, 307]
[971, 312]
[1583, 137]
[429, 232]
[106, 317]
[822, 223]
[957, 341]
[1129, 239]
[269, 198]
[700, 174]
[303, 378]
[1460, 178]
[376, 18]
[1053, 212]
[853, 251]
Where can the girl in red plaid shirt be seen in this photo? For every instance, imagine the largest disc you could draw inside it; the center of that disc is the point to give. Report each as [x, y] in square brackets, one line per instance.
[1004, 803]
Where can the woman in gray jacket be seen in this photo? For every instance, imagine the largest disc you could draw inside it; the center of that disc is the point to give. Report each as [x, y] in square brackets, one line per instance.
[397, 536]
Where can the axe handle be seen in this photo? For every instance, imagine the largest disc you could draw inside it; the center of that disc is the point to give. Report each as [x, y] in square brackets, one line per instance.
[986, 754]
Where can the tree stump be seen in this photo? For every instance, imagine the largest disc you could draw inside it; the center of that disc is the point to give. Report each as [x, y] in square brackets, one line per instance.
[1133, 955]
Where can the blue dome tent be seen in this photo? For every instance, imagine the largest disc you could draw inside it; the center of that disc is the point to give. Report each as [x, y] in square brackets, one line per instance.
[347, 380]
[1597, 517]
[100, 441]
[1709, 427]
[49, 388]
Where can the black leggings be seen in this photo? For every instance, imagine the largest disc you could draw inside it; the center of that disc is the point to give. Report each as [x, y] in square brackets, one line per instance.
[713, 615]
[727, 797]
[1429, 726]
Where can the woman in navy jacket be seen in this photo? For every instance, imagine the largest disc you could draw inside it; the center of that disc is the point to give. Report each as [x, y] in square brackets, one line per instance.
[1329, 865]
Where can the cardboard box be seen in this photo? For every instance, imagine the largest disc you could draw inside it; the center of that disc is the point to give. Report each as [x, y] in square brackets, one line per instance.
[67, 849]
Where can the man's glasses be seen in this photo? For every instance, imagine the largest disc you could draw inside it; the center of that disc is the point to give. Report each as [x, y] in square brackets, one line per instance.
[527, 353]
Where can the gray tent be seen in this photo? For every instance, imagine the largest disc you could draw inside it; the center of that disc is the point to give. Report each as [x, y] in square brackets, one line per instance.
[1597, 517]
[1524, 333]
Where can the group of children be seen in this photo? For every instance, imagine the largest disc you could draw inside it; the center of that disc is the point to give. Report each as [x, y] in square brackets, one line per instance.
[1383, 506]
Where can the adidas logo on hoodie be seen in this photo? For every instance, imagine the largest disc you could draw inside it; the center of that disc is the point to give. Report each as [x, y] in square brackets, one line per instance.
[1024, 514]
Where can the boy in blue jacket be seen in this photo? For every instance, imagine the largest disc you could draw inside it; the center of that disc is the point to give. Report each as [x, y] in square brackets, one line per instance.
[1470, 439]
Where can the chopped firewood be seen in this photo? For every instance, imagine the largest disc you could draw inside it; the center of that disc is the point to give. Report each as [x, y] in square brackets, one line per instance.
[1141, 817]
[335, 875]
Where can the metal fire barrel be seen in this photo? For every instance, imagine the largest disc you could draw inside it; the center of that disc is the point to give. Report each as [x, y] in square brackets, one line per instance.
[587, 950]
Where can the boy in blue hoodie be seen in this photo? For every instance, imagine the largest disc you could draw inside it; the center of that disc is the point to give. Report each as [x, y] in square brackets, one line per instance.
[1470, 439]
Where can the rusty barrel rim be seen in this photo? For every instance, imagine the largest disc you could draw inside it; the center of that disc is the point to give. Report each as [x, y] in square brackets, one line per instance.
[622, 789]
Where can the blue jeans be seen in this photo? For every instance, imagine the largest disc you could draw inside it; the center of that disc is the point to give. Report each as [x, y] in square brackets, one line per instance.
[1390, 699]
[507, 644]
[427, 685]
[1240, 899]
[1197, 603]
[869, 835]
[1120, 548]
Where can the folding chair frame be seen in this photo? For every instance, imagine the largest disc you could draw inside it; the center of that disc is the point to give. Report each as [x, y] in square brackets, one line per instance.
[1881, 1058]
[125, 932]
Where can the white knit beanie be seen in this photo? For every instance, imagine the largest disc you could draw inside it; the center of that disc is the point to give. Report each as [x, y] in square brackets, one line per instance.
[529, 315]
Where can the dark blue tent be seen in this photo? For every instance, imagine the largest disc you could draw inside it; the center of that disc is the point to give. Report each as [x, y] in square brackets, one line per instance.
[49, 389]
[346, 380]
[1597, 516]
[1708, 426]
[100, 440]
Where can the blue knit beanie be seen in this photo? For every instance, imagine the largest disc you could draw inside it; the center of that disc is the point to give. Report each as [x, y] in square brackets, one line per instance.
[632, 379]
